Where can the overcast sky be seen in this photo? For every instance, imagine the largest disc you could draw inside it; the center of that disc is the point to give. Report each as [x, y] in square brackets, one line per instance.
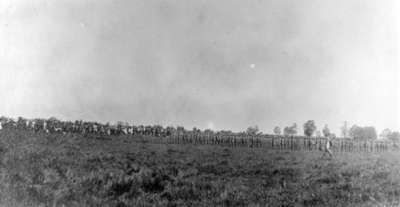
[223, 64]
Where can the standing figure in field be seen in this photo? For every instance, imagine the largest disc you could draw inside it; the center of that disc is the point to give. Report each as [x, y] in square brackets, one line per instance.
[45, 129]
[327, 148]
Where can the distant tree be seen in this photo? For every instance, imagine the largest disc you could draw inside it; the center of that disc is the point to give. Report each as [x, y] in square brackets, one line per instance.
[344, 130]
[356, 132]
[385, 133]
[394, 136]
[277, 130]
[363, 133]
[253, 130]
[294, 129]
[326, 131]
[53, 119]
[370, 133]
[290, 131]
[318, 133]
[286, 131]
[309, 128]
[225, 132]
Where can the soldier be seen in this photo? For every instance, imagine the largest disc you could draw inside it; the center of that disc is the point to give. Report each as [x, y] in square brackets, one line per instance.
[45, 126]
[327, 148]
[95, 128]
[108, 131]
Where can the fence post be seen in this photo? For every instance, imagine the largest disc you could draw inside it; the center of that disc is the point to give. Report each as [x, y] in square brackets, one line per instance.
[272, 142]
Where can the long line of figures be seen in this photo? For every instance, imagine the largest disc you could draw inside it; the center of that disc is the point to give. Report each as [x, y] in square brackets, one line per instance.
[179, 135]
[53, 125]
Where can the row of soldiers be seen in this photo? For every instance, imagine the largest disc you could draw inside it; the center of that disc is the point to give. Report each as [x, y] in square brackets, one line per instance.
[176, 134]
[53, 125]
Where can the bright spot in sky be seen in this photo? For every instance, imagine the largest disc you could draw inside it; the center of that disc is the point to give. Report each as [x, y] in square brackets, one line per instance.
[210, 125]
[252, 66]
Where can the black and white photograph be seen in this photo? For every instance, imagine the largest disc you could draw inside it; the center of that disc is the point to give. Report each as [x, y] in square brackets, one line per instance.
[175, 103]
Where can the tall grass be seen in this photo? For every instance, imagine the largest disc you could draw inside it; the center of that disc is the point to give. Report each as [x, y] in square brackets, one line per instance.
[71, 170]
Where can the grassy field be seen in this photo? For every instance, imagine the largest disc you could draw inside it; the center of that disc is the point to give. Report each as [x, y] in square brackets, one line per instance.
[71, 170]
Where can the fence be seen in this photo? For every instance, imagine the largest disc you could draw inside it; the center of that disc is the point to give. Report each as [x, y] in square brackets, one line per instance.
[276, 142]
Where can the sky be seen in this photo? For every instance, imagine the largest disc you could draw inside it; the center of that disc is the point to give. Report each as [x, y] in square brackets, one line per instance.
[225, 64]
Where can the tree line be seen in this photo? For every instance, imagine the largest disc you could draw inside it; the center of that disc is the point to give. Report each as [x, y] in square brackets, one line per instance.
[360, 133]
